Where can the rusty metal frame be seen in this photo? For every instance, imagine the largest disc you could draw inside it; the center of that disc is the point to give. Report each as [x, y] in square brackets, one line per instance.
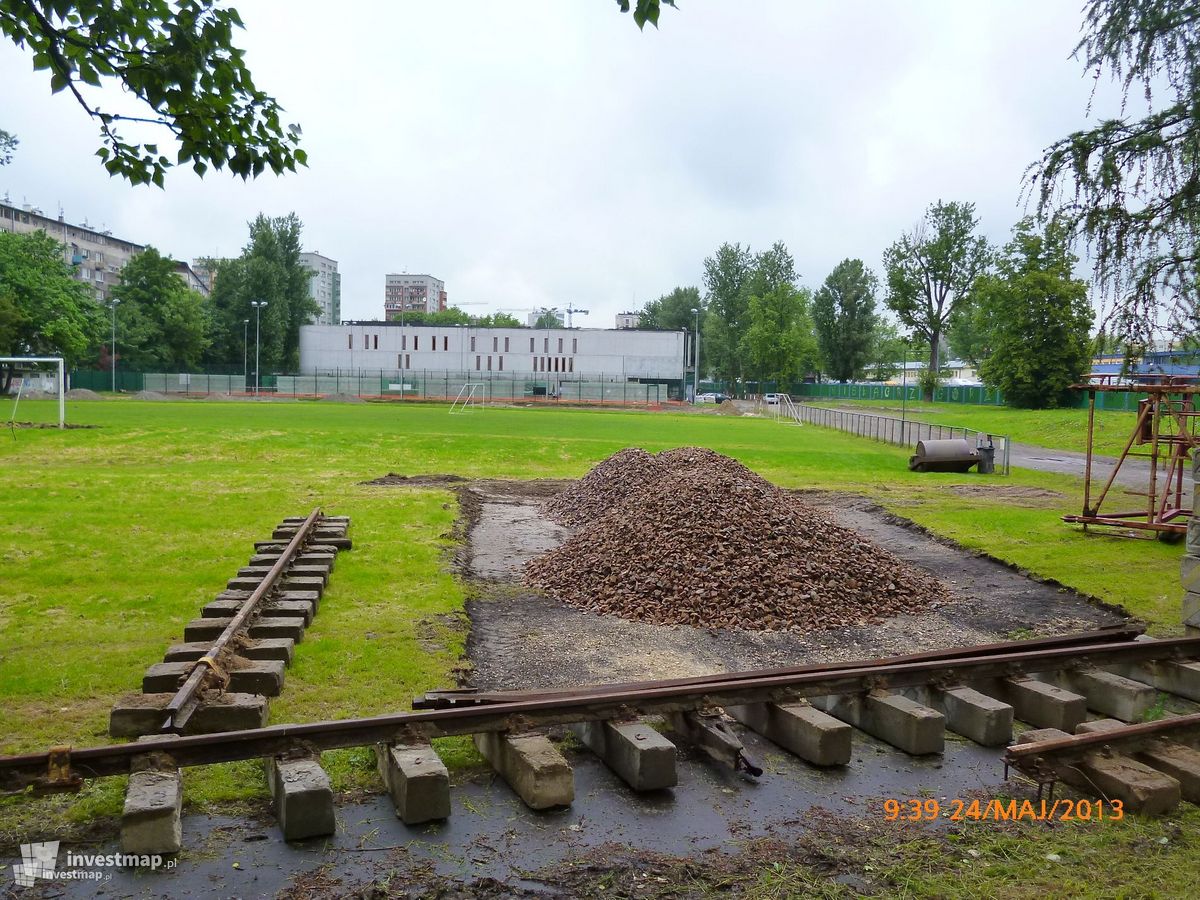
[1168, 399]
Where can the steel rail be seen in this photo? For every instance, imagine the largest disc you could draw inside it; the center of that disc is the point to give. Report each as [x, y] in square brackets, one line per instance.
[467, 697]
[1067, 750]
[524, 715]
[180, 708]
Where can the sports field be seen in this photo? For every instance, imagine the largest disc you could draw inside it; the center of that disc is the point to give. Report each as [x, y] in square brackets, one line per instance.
[118, 534]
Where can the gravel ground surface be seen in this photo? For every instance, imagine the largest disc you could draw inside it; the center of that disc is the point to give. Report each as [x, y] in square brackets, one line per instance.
[523, 639]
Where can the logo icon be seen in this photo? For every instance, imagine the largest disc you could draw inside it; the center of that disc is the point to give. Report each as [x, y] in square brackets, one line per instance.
[37, 861]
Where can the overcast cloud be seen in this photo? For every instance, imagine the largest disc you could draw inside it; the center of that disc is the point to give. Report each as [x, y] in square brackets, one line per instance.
[546, 152]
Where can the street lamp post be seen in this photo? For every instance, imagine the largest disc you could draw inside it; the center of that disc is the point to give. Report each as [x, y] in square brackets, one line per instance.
[696, 380]
[258, 305]
[245, 351]
[904, 396]
[683, 373]
[114, 303]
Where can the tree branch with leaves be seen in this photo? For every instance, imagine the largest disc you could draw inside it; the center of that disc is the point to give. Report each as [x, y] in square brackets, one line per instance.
[179, 60]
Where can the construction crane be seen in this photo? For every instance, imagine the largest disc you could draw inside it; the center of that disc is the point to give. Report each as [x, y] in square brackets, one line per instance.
[570, 311]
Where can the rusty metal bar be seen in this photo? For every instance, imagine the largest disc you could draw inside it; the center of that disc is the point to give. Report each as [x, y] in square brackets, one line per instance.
[1111, 634]
[1074, 748]
[177, 712]
[523, 715]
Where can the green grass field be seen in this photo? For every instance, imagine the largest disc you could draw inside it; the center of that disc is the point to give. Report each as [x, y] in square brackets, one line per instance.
[118, 534]
[1061, 429]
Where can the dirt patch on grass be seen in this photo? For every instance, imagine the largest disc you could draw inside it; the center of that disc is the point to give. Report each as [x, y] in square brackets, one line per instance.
[1012, 494]
[45, 425]
[392, 479]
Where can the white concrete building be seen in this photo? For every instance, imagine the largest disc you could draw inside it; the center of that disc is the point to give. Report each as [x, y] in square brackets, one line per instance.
[627, 321]
[324, 286]
[555, 354]
[406, 292]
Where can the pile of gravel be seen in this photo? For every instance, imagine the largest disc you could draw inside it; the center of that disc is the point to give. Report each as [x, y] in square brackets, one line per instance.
[82, 394]
[607, 485]
[150, 395]
[695, 538]
[34, 394]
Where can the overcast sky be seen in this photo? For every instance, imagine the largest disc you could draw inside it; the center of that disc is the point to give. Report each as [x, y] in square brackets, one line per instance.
[547, 152]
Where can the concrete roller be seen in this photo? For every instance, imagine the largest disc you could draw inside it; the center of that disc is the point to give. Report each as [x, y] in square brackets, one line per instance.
[953, 455]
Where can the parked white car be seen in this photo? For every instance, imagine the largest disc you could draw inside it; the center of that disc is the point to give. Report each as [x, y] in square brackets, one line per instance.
[771, 399]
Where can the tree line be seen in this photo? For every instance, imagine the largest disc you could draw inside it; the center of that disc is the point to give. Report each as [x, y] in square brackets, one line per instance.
[161, 323]
[1016, 312]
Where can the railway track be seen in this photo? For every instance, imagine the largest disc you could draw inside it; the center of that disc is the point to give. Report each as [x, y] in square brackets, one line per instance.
[1058, 686]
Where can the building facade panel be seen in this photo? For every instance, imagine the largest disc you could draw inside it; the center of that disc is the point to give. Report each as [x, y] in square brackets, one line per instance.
[562, 352]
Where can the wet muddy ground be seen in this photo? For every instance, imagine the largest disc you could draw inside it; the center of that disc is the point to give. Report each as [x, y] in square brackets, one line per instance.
[519, 639]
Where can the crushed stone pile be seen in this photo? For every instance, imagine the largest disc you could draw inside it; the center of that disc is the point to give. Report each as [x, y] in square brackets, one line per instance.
[82, 394]
[150, 395]
[690, 537]
[624, 473]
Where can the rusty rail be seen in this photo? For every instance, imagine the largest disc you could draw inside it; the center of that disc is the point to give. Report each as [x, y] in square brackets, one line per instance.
[444, 699]
[607, 703]
[180, 708]
[1035, 758]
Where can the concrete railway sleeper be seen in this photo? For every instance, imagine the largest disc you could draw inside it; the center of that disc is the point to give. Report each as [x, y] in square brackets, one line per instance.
[811, 711]
[222, 677]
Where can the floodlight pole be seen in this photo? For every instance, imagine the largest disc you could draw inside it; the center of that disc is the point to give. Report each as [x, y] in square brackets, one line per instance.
[696, 379]
[113, 302]
[904, 395]
[258, 305]
[245, 352]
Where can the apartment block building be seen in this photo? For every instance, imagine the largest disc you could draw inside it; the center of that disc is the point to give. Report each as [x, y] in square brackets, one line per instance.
[324, 287]
[627, 321]
[405, 292]
[96, 256]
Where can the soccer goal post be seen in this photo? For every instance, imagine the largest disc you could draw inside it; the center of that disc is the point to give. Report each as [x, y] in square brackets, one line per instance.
[60, 383]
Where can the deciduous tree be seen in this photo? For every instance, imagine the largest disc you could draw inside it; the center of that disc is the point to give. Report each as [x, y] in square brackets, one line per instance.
[931, 270]
[165, 326]
[673, 311]
[1037, 317]
[843, 314]
[779, 343]
[44, 310]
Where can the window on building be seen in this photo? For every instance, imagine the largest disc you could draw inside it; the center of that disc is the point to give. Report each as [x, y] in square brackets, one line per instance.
[399, 360]
[376, 347]
[506, 345]
[560, 340]
[433, 343]
[404, 342]
[570, 364]
[489, 363]
[531, 345]
[445, 342]
[416, 342]
[574, 345]
[500, 362]
[472, 344]
[545, 345]
[476, 363]
[350, 342]
[495, 343]
[535, 364]
[407, 361]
